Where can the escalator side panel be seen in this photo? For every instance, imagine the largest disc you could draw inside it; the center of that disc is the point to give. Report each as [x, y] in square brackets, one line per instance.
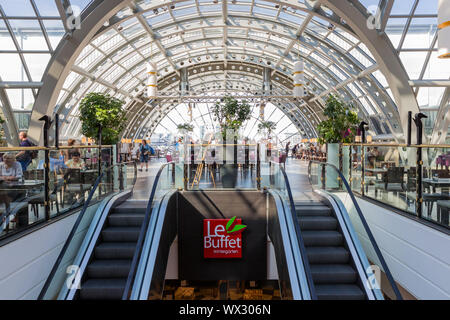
[86, 249]
[167, 237]
[273, 227]
[357, 252]
[160, 234]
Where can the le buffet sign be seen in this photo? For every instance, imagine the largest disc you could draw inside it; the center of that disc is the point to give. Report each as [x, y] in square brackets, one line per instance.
[222, 238]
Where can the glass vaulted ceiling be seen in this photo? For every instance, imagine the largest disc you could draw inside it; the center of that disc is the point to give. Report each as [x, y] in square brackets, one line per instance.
[257, 35]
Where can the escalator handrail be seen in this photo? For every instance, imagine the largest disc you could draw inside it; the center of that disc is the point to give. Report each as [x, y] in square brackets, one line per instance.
[301, 242]
[77, 223]
[364, 223]
[142, 234]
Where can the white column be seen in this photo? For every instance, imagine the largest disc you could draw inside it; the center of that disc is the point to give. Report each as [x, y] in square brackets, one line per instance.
[152, 87]
[444, 29]
[299, 79]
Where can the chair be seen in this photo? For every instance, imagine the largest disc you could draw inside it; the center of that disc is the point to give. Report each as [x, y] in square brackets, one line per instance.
[440, 173]
[443, 212]
[36, 174]
[73, 184]
[392, 180]
[39, 199]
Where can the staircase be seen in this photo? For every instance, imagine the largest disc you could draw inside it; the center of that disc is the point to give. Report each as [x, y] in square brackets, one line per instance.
[332, 271]
[108, 269]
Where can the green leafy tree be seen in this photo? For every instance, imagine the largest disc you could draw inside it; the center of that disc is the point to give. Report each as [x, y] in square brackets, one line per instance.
[185, 127]
[340, 127]
[231, 114]
[2, 133]
[267, 126]
[98, 109]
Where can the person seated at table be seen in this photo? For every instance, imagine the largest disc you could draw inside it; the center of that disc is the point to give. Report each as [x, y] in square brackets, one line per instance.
[372, 157]
[10, 169]
[56, 163]
[76, 162]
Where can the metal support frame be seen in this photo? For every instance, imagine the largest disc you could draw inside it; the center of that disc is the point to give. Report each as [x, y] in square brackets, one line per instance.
[10, 126]
[353, 15]
[385, 55]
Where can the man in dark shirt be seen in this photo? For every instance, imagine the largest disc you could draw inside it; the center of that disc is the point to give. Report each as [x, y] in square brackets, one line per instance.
[24, 157]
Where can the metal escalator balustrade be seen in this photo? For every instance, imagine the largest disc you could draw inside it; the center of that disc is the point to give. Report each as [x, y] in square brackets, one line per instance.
[274, 176]
[107, 272]
[333, 274]
[340, 245]
[66, 275]
[165, 181]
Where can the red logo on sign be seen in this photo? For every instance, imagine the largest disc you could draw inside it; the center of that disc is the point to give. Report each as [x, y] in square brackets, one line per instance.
[222, 238]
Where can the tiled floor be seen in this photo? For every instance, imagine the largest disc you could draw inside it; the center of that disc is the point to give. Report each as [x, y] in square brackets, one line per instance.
[209, 290]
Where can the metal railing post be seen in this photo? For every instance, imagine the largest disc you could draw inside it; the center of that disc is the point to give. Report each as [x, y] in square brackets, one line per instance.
[185, 176]
[121, 186]
[47, 123]
[258, 167]
[323, 177]
[362, 169]
[419, 191]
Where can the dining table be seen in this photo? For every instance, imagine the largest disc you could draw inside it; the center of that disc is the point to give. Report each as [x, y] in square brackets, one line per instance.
[442, 183]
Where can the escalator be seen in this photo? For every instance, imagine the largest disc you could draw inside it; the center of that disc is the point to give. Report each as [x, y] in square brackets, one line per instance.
[333, 273]
[104, 246]
[338, 249]
[108, 269]
[131, 247]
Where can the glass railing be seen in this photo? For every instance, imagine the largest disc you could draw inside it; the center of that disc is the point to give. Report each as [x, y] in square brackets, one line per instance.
[35, 189]
[414, 179]
[164, 182]
[118, 178]
[362, 238]
[275, 178]
[218, 166]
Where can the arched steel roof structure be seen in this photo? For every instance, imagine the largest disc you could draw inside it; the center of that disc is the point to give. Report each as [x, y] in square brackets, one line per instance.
[205, 49]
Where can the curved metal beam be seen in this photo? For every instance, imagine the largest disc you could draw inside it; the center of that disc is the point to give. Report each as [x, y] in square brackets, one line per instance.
[65, 56]
[385, 55]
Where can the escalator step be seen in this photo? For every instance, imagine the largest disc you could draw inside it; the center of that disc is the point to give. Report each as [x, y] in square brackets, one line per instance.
[115, 250]
[333, 273]
[126, 219]
[323, 255]
[103, 289]
[321, 210]
[339, 292]
[317, 222]
[121, 234]
[99, 269]
[131, 206]
[322, 238]
[300, 203]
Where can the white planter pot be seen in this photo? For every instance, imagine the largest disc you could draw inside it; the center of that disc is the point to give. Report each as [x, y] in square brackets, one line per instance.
[331, 175]
[346, 163]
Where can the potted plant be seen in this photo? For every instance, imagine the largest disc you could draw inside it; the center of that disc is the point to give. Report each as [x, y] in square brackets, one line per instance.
[340, 127]
[267, 128]
[231, 115]
[2, 133]
[102, 119]
[185, 128]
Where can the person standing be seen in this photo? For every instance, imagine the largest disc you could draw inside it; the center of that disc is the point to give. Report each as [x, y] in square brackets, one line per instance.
[288, 148]
[145, 152]
[24, 157]
[294, 151]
